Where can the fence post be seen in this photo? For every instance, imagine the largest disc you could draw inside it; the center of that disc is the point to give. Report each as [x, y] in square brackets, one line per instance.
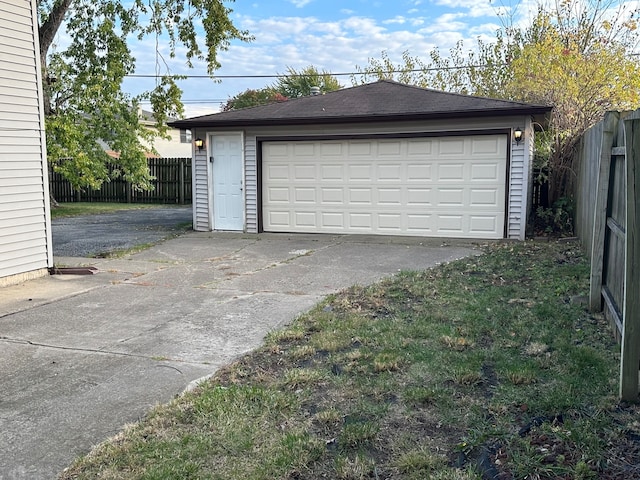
[181, 180]
[630, 353]
[600, 212]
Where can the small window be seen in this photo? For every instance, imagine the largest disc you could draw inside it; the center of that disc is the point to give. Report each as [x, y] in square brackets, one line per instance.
[185, 135]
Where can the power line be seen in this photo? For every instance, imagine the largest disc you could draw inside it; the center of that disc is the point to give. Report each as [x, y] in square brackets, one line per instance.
[304, 75]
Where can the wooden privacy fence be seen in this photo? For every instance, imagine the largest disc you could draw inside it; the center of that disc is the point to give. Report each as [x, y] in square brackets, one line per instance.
[171, 185]
[607, 222]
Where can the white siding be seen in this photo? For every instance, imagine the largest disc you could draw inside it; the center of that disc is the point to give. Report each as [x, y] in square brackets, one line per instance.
[200, 186]
[25, 227]
[518, 171]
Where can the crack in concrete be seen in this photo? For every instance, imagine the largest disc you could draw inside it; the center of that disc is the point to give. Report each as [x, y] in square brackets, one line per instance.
[96, 351]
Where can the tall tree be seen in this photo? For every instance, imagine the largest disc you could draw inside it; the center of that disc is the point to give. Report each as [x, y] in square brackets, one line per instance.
[84, 101]
[577, 66]
[298, 83]
[253, 98]
[292, 85]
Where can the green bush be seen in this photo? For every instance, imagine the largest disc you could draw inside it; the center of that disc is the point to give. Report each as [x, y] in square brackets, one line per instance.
[556, 220]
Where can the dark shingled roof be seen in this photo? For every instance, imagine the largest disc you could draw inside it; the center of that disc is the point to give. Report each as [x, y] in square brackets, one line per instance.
[380, 101]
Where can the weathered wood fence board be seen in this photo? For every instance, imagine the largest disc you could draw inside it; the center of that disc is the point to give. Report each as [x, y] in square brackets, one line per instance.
[171, 185]
[607, 222]
[630, 352]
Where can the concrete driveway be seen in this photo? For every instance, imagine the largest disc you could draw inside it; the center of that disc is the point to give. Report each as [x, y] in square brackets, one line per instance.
[84, 355]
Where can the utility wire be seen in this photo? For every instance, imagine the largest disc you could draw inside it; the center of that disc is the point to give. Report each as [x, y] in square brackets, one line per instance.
[303, 75]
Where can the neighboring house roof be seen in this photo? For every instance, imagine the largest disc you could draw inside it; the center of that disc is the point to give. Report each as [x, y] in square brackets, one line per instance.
[383, 100]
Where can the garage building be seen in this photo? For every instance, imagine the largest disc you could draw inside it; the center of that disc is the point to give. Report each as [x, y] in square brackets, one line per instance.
[382, 158]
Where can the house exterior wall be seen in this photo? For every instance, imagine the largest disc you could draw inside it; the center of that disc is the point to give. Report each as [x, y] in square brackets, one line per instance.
[519, 163]
[172, 147]
[25, 223]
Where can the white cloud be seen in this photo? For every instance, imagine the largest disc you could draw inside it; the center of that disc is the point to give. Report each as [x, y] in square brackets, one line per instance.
[399, 19]
[300, 3]
[446, 22]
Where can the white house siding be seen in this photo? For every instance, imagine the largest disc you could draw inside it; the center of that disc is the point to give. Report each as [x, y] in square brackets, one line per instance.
[25, 225]
[171, 147]
[516, 196]
[201, 190]
[520, 182]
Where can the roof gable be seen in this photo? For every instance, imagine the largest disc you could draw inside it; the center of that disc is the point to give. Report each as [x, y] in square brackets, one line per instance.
[378, 101]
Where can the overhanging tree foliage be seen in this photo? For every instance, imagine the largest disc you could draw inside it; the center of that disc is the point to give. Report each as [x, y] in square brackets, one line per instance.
[292, 85]
[253, 98]
[574, 55]
[85, 106]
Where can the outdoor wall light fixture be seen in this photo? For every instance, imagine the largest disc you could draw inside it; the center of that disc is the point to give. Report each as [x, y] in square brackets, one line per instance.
[517, 135]
[199, 143]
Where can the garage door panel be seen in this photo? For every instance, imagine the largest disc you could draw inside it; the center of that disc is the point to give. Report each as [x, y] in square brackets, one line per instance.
[279, 218]
[418, 172]
[389, 172]
[332, 195]
[420, 223]
[332, 220]
[307, 220]
[419, 197]
[485, 146]
[302, 149]
[276, 149]
[482, 224]
[390, 221]
[451, 172]
[305, 173]
[278, 195]
[451, 197]
[360, 196]
[392, 148]
[390, 196]
[331, 172]
[400, 187]
[361, 221]
[305, 195]
[485, 172]
[451, 224]
[360, 172]
[451, 146]
[483, 197]
[331, 149]
[356, 149]
[277, 172]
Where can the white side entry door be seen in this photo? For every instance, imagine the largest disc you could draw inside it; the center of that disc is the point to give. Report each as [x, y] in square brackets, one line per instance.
[226, 171]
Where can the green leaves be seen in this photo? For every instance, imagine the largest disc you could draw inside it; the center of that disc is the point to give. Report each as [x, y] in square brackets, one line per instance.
[298, 84]
[292, 85]
[86, 108]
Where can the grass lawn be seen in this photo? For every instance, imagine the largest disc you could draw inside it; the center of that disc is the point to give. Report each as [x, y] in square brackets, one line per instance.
[487, 367]
[92, 208]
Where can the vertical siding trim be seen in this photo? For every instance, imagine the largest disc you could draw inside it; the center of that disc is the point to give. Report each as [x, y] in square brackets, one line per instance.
[25, 225]
[520, 182]
[251, 183]
[200, 186]
[43, 136]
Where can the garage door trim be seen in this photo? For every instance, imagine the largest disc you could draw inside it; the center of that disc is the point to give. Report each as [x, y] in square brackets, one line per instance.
[373, 136]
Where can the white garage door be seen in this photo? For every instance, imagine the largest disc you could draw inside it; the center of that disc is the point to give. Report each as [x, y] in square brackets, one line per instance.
[440, 187]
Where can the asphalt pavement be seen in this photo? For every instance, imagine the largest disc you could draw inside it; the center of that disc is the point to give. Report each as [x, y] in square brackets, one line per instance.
[95, 235]
[84, 355]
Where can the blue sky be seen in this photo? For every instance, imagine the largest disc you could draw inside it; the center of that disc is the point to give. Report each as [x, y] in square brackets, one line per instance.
[331, 35]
